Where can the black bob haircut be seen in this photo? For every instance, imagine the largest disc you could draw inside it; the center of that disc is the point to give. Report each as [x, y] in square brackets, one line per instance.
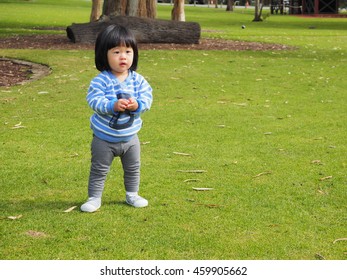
[110, 37]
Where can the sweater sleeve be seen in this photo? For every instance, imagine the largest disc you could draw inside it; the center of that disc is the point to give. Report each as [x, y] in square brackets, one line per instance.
[96, 96]
[144, 96]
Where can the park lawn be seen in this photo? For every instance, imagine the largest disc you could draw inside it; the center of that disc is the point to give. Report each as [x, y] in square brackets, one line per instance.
[267, 129]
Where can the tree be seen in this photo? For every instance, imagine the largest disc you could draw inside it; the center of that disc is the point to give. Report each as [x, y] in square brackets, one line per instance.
[258, 10]
[177, 12]
[151, 8]
[230, 5]
[96, 10]
[136, 8]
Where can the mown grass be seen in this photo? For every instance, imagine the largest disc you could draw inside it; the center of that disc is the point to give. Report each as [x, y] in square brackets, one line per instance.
[269, 129]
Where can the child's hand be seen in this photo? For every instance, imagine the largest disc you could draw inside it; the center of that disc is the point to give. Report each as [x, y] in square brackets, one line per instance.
[132, 105]
[121, 105]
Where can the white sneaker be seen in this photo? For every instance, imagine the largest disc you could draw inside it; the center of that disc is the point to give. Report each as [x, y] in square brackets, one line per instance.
[136, 201]
[92, 204]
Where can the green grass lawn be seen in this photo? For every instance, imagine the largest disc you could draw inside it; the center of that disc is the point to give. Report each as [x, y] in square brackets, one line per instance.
[269, 129]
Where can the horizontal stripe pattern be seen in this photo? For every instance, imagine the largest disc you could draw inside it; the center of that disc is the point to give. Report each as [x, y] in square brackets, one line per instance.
[101, 97]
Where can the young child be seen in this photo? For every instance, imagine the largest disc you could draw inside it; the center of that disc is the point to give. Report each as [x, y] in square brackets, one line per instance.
[118, 96]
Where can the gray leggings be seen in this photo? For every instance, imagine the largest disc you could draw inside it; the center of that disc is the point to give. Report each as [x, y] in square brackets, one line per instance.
[103, 153]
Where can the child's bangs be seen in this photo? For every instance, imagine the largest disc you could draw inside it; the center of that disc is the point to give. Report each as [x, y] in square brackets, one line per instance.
[123, 39]
[125, 43]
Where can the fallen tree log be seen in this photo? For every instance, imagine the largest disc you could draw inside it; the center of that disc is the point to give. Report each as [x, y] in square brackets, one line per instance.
[146, 30]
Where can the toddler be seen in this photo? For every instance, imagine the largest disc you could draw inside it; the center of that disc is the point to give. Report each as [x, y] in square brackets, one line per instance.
[118, 96]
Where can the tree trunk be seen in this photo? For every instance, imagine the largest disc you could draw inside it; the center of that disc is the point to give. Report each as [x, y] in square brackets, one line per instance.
[96, 10]
[177, 12]
[132, 8]
[135, 8]
[111, 8]
[121, 7]
[141, 8]
[145, 30]
[230, 5]
[151, 8]
[257, 11]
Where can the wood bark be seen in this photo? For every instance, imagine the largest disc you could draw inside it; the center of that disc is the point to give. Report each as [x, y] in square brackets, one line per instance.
[135, 8]
[111, 8]
[230, 6]
[146, 30]
[96, 10]
[258, 10]
[151, 8]
[177, 12]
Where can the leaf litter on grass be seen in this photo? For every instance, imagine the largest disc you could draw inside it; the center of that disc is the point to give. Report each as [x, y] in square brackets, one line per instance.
[18, 125]
[192, 171]
[14, 217]
[34, 233]
[202, 189]
[69, 209]
[339, 239]
[182, 154]
[325, 178]
[262, 174]
[191, 180]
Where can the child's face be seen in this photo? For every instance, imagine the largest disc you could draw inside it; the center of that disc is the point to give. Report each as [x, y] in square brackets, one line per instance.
[120, 59]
